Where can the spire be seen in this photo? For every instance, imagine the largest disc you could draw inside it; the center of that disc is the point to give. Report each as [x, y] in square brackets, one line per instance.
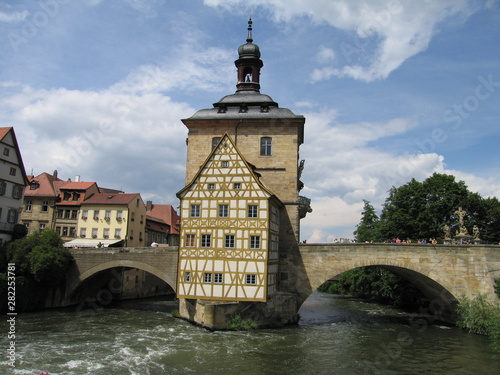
[248, 64]
[249, 38]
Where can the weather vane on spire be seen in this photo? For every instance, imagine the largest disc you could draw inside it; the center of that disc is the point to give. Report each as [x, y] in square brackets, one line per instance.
[249, 38]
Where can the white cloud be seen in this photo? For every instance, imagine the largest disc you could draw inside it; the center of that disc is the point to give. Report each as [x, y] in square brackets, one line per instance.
[384, 33]
[325, 55]
[15, 17]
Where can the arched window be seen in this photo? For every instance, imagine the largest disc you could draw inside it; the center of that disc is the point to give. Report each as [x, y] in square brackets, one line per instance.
[266, 146]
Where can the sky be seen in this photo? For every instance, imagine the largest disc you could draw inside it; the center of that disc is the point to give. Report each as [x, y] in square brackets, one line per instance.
[391, 90]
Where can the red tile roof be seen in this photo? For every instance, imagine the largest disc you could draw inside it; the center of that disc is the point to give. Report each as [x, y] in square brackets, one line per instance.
[122, 198]
[46, 186]
[77, 185]
[167, 214]
[4, 131]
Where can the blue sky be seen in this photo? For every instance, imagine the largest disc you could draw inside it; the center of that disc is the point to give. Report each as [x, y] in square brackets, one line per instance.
[391, 90]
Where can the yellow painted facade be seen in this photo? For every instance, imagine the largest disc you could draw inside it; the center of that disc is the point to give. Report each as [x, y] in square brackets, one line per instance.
[121, 221]
[229, 231]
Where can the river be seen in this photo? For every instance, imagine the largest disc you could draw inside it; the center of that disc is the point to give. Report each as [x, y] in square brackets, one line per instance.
[336, 335]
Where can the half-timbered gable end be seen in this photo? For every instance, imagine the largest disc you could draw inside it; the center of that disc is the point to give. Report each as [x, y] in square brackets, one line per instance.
[229, 231]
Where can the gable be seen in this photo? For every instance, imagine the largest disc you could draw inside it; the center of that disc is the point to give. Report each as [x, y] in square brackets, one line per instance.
[225, 174]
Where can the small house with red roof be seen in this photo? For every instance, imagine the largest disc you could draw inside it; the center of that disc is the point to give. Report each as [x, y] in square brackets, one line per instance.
[111, 220]
[162, 225]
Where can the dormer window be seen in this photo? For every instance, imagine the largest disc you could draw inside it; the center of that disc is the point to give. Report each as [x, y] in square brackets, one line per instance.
[34, 185]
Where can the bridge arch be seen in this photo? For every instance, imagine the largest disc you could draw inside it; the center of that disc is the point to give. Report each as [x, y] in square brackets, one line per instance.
[74, 284]
[442, 274]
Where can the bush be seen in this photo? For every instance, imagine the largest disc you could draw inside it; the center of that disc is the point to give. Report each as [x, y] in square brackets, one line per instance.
[236, 323]
[480, 316]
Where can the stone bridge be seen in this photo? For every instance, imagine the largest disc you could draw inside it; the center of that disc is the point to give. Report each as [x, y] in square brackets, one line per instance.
[443, 273]
[159, 261]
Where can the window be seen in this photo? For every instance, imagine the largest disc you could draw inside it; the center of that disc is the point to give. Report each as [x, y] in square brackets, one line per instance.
[6, 151]
[190, 238]
[229, 242]
[83, 232]
[251, 279]
[65, 231]
[85, 214]
[107, 215]
[211, 186]
[118, 233]
[106, 232]
[254, 242]
[218, 278]
[96, 214]
[66, 196]
[12, 171]
[72, 231]
[45, 206]
[94, 232]
[17, 191]
[58, 230]
[3, 187]
[225, 164]
[12, 216]
[205, 240]
[131, 236]
[187, 277]
[266, 146]
[215, 140]
[42, 227]
[60, 214]
[74, 214]
[132, 216]
[67, 214]
[207, 278]
[237, 186]
[76, 196]
[253, 211]
[28, 206]
[223, 210]
[195, 210]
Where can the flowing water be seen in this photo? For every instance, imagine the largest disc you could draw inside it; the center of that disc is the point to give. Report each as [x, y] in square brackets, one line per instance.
[336, 335]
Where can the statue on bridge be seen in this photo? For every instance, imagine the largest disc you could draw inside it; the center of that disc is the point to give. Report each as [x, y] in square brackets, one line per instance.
[462, 230]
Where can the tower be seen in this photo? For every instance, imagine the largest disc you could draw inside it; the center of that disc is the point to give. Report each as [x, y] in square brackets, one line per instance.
[240, 208]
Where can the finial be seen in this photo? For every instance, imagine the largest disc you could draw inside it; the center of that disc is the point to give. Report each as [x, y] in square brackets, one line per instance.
[249, 38]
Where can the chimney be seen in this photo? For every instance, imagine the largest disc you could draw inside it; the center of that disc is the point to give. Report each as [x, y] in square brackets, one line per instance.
[149, 206]
[54, 174]
[77, 178]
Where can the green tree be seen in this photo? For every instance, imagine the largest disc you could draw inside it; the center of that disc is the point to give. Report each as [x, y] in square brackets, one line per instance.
[420, 210]
[41, 263]
[368, 228]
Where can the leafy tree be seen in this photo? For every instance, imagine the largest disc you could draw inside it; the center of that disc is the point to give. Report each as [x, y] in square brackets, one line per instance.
[19, 231]
[368, 228]
[420, 210]
[41, 263]
[375, 282]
